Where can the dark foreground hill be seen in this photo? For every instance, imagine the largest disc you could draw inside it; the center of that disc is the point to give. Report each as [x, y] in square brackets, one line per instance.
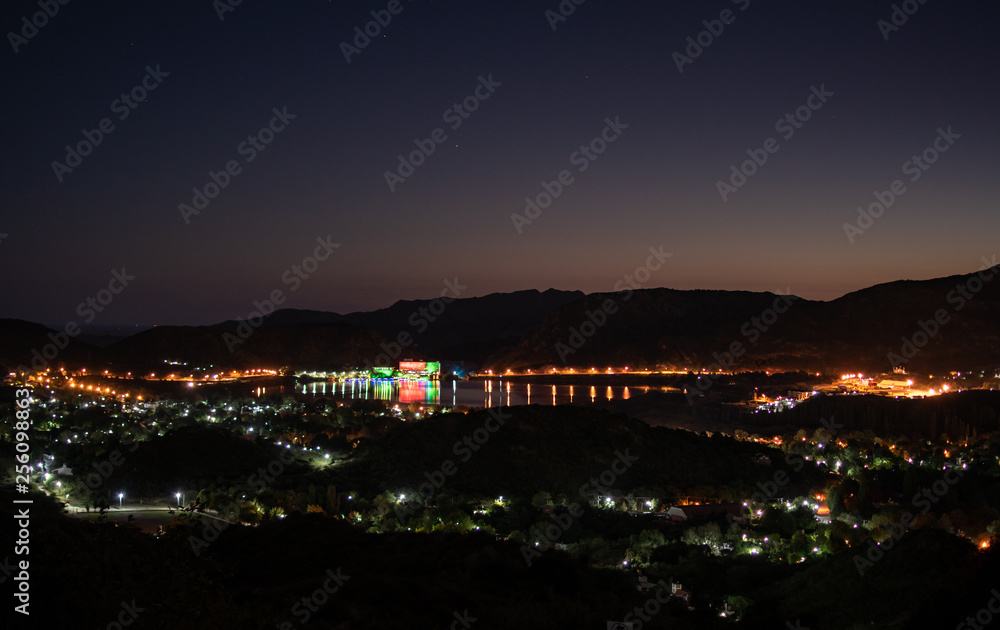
[83, 574]
[93, 575]
[557, 450]
[192, 457]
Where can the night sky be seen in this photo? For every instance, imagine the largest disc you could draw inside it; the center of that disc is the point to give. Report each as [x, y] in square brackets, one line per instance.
[323, 174]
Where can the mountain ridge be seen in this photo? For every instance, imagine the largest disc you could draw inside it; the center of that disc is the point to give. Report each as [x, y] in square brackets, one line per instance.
[529, 329]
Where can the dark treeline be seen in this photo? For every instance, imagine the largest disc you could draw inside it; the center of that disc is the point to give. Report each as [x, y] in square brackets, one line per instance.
[959, 416]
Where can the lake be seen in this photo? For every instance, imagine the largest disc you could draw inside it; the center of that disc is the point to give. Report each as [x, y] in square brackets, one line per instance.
[472, 393]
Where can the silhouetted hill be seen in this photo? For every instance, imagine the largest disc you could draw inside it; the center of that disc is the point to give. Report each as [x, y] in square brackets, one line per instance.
[20, 340]
[304, 346]
[267, 577]
[959, 415]
[467, 329]
[692, 329]
[192, 457]
[652, 328]
[555, 449]
[860, 329]
[927, 579]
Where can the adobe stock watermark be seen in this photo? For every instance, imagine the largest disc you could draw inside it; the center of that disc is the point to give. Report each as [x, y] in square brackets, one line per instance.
[305, 608]
[752, 330]
[787, 126]
[546, 538]
[915, 167]
[900, 15]
[578, 335]
[462, 620]
[106, 467]
[650, 608]
[126, 616]
[39, 19]
[124, 105]
[768, 491]
[293, 277]
[565, 9]
[582, 158]
[222, 7]
[984, 616]
[454, 116]
[88, 310]
[259, 481]
[7, 569]
[464, 448]
[363, 36]
[923, 499]
[713, 29]
[958, 298]
[420, 319]
[250, 148]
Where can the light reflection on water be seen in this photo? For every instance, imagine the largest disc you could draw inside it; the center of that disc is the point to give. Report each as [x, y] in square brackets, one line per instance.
[477, 393]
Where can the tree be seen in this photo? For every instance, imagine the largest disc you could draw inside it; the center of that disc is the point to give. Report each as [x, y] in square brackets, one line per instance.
[332, 499]
[703, 534]
[835, 501]
[542, 499]
[822, 436]
[738, 603]
[865, 506]
[651, 539]
[799, 546]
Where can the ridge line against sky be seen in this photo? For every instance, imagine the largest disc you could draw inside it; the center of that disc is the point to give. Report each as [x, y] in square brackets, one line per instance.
[111, 325]
[185, 161]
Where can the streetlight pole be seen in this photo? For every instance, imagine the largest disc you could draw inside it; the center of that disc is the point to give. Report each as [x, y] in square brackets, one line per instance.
[178, 499]
[120, 496]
